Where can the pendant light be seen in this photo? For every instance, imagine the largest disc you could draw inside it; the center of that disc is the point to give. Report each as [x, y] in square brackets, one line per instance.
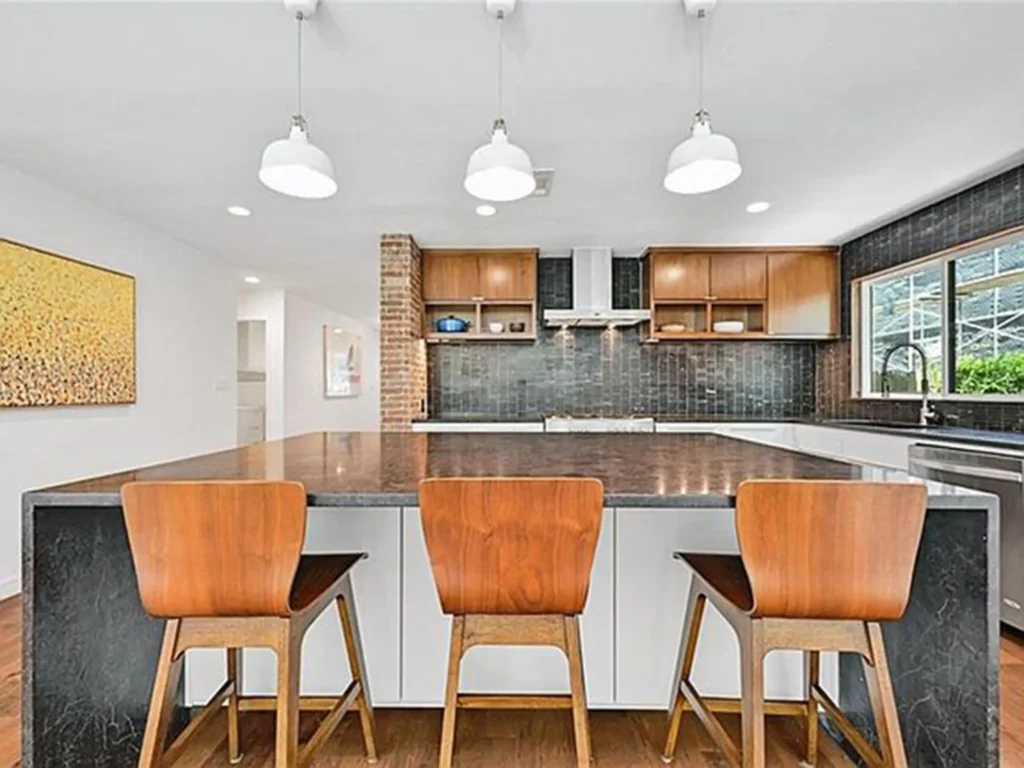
[294, 166]
[500, 171]
[706, 161]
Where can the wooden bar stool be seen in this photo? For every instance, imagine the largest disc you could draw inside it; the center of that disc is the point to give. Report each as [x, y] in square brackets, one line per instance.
[512, 559]
[222, 563]
[821, 563]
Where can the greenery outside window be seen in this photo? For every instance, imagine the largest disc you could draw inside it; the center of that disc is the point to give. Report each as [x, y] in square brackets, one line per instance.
[964, 309]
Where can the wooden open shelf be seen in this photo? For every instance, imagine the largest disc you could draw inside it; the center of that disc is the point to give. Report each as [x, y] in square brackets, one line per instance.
[480, 314]
[448, 338]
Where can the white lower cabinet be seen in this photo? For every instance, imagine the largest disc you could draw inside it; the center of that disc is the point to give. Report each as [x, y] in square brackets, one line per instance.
[631, 626]
[770, 434]
[651, 593]
[876, 448]
[821, 441]
[325, 671]
[499, 670]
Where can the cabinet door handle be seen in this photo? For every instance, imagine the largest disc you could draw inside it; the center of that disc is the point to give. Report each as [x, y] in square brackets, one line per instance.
[711, 298]
[478, 298]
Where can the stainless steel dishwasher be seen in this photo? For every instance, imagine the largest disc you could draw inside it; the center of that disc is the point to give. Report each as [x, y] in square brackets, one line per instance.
[1002, 475]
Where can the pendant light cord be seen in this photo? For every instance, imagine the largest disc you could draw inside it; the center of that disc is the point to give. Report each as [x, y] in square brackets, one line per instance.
[501, 70]
[298, 84]
[700, 68]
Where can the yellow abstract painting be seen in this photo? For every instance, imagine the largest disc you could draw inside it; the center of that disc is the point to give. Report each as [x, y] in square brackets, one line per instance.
[67, 331]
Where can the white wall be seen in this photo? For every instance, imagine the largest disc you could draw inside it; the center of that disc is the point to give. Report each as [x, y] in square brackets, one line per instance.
[306, 408]
[295, 366]
[186, 344]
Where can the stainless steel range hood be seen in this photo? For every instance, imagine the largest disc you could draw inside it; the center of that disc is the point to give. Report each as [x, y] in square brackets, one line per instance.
[592, 295]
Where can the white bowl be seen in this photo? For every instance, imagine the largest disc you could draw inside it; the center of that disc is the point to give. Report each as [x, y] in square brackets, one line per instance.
[496, 327]
[729, 326]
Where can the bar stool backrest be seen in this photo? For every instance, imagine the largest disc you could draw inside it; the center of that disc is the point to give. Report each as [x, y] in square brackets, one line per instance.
[215, 548]
[512, 545]
[829, 549]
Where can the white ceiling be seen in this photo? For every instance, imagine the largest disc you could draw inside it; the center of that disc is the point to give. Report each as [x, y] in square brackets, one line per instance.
[844, 112]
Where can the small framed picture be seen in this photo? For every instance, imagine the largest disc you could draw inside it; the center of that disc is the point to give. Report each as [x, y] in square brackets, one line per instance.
[343, 363]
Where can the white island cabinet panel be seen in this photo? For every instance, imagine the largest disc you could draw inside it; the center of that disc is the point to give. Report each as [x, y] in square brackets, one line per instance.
[499, 670]
[376, 581]
[651, 592]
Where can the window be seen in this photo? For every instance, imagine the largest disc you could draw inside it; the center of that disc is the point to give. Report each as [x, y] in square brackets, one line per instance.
[964, 310]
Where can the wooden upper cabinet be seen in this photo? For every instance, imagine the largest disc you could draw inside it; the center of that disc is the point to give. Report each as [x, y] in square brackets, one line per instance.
[450, 276]
[738, 276]
[478, 275]
[510, 275]
[803, 293]
[680, 276]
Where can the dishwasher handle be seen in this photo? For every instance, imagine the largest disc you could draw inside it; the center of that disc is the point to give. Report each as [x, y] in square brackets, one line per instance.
[990, 473]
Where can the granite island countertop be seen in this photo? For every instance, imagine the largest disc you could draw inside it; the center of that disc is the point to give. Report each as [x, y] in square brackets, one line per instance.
[384, 469]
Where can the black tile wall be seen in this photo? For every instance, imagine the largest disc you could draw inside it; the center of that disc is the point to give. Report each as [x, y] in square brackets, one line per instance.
[586, 372]
[984, 209]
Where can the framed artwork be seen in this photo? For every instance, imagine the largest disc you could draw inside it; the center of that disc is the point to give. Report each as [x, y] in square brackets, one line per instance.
[343, 363]
[67, 331]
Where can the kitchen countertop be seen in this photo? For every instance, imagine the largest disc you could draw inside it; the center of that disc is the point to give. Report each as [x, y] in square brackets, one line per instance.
[981, 437]
[384, 469]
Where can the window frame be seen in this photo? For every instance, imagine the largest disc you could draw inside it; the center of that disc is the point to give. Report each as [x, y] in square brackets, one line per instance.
[860, 318]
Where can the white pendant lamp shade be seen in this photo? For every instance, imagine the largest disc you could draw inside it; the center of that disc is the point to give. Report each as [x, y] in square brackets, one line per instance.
[293, 166]
[296, 168]
[704, 162]
[499, 171]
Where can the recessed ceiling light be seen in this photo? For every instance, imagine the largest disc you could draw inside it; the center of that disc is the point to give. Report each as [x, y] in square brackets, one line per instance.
[238, 210]
[486, 210]
[252, 280]
[758, 207]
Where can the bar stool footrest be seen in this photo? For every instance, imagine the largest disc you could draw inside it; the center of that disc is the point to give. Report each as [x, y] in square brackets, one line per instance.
[517, 701]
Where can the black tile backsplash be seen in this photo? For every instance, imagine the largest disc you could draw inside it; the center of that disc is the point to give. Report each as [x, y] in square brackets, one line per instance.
[585, 372]
[981, 210]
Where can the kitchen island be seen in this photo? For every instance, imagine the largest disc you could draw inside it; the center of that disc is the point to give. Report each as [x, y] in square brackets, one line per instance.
[90, 651]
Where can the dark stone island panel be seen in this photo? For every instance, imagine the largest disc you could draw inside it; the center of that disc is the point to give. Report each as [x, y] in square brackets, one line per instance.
[90, 651]
[944, 653]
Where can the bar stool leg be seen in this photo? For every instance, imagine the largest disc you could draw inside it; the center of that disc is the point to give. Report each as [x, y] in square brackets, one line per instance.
[684, 665]
[451, 694]
[234, 676]
[288, 666]
[161, 705]
[752, 684]
[812, 674]
[883, 701]
[357, 665]
[580, 720]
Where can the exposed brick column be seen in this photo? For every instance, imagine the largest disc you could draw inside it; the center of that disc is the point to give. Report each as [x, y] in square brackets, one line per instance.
[403, 353]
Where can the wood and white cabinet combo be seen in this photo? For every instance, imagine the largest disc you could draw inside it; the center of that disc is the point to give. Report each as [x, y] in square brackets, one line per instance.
[485, 287]
[773, 293]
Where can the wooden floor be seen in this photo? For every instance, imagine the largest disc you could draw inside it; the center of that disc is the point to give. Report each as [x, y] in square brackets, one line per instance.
[496, 739]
